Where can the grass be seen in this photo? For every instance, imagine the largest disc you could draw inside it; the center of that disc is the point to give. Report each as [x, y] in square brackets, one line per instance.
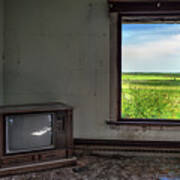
[151, 95]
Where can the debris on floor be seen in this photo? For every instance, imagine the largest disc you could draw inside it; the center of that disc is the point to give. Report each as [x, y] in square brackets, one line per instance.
[112, 168]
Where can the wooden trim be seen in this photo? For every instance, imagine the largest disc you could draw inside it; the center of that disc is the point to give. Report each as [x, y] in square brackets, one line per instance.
[141, 1]
[69, 133]
[37, 167]
[114, 94]
[151, 19]
[127, 143]
[144, 122]
[119, 1]
[119, 62]
[144, 7]
[39, 107]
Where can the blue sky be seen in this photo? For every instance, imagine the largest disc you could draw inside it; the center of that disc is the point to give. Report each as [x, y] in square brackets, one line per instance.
[151, 48]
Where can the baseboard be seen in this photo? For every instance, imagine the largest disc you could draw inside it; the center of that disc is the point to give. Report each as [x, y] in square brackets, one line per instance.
[93, 145]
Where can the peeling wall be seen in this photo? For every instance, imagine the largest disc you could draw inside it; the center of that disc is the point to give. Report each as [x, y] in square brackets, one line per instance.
[58, 50]
[1, 49]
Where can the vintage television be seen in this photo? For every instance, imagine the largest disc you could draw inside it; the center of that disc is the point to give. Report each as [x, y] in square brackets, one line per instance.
[36, 133]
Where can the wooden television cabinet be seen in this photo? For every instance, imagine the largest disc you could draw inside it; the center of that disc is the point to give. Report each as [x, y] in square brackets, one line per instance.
[31, 160]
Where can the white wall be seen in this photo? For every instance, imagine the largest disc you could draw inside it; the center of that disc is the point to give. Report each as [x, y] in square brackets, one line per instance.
[58, 50]
[1, 49]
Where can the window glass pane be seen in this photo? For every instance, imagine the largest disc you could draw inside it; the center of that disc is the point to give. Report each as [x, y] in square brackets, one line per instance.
[150, 71]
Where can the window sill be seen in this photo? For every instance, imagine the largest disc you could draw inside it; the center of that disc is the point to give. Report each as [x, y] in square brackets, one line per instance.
[144, 122]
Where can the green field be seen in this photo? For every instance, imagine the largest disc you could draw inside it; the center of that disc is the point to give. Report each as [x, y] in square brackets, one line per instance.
[150, 95]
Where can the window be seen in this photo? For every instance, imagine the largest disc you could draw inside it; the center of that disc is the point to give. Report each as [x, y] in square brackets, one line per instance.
[150, 71]
[147, 54]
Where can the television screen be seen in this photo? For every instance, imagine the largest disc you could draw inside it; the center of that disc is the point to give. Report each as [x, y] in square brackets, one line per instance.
[27, 132]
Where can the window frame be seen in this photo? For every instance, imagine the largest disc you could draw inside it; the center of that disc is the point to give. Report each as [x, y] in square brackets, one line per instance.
[118, 9]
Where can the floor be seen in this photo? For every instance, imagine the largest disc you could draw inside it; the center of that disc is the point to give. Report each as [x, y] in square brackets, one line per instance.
[112, 168]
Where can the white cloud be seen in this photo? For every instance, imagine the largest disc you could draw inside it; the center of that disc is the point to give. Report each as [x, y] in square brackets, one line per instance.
[157, 55]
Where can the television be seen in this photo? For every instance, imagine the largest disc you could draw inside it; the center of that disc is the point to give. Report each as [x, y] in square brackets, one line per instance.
[35, 133]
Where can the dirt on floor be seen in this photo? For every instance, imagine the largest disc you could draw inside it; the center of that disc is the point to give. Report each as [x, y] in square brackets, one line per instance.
[112, 168]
